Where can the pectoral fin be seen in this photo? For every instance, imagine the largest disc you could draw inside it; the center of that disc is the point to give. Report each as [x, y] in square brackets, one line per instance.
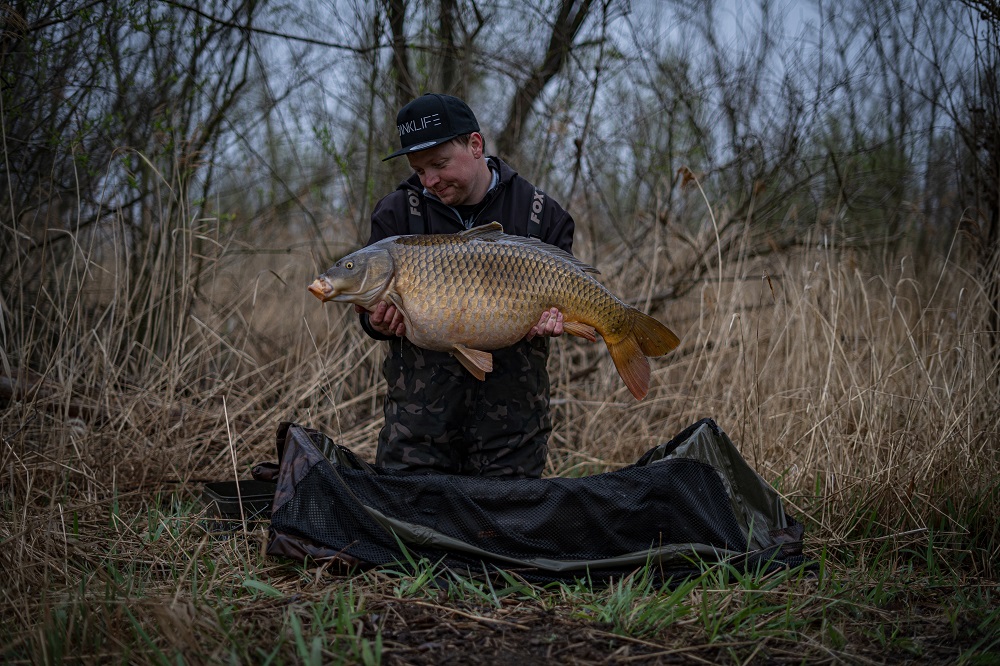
[580, 330]
[475, 361]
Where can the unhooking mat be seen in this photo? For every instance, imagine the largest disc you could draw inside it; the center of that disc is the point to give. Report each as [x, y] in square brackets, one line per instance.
[691, 502]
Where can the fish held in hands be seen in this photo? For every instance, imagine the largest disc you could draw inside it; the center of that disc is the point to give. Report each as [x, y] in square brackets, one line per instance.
[481, 289]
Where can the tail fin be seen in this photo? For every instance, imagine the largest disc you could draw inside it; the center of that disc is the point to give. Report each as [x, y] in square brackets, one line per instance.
[647, 337]
[654, 338]
[631, 364]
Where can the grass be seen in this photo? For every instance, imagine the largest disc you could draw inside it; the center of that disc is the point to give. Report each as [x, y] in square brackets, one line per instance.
[177, 594]
[862, 387]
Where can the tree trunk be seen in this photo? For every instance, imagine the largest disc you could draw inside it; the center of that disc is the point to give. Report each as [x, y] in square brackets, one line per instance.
[406, 90]
[565, 27]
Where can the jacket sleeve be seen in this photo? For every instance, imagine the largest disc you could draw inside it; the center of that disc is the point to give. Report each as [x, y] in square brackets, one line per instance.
[366, 324]
[558, 225]
[388, 219]
[560, 229]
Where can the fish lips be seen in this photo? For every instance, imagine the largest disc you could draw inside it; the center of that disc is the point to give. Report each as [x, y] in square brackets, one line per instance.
[324, 291]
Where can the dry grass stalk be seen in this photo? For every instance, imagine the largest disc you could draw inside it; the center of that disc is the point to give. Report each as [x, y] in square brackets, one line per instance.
[865, 389]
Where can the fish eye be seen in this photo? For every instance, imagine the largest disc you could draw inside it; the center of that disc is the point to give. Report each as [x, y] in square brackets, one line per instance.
[349, 265]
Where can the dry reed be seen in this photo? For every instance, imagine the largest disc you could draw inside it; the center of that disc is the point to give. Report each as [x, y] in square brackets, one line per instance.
[863, 382]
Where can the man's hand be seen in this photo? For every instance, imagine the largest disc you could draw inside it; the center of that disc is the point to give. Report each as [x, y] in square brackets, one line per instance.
[550, 325]
[385, 319]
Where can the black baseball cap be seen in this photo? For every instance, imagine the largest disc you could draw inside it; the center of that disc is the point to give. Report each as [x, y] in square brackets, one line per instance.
[431, 120]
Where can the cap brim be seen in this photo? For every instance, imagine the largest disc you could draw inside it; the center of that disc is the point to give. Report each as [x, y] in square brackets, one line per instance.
[417, 147]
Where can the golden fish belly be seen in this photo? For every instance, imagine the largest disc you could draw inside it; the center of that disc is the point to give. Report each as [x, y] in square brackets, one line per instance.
[488, 295]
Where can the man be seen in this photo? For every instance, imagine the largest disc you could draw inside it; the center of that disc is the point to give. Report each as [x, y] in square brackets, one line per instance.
[438, 417]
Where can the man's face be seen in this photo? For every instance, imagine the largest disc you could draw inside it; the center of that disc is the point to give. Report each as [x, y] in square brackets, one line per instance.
[452, 171]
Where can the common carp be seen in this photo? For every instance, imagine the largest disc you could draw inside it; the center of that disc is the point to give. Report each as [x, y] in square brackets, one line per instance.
[481, 289]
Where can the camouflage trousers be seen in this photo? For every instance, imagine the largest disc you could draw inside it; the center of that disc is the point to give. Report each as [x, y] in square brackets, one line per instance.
[441, 419]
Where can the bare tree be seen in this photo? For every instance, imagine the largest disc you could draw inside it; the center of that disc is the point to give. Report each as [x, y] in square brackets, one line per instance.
[979, 129]
[406, 88]
[112, 112]
[565, 26]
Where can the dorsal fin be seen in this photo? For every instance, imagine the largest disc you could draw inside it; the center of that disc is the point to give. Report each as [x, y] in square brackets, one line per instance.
[493, 232]
[487, 232]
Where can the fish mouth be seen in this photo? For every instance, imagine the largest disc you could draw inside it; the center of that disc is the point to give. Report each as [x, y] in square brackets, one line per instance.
[325, 292]
[321, 289]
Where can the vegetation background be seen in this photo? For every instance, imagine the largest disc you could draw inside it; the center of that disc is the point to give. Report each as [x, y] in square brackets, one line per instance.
[807, 192]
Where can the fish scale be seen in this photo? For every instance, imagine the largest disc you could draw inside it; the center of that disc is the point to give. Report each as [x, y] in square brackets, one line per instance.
[481, 290]
[482, 285]
[508, 282]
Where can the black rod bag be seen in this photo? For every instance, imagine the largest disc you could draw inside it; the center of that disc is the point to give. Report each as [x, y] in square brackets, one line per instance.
[691, 501]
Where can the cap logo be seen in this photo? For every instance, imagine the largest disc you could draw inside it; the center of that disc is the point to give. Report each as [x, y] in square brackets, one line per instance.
[419, 124]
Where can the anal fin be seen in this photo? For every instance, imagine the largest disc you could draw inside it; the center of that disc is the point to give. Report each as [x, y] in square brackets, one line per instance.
[580, 330]
[474, 360]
